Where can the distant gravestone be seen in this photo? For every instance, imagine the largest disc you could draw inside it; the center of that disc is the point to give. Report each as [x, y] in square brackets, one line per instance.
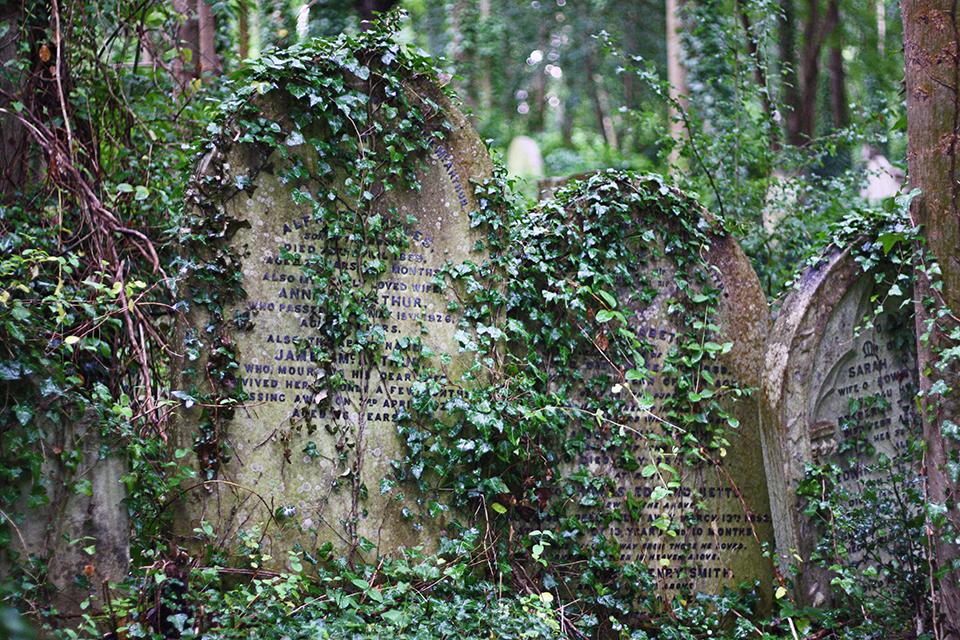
[524, 159]
[882, 180]
[706, 527]
[310, 448]
[839, 389]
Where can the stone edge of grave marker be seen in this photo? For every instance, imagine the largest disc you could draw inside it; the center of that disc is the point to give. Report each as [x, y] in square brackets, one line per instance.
[741, 282]
[787, 446]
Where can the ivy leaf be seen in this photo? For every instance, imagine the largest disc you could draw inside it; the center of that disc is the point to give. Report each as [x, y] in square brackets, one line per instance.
[24, 414]
[659, 493]
[188, 400]
[360, 583]
[939, 387]
[950, 430]
[50, 388]
[10, 371]
[609, 299]
[605, 315]
[395, 617]
[890, 240]
[295, 139]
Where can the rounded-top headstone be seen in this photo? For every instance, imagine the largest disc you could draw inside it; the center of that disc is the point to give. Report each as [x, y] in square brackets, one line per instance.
[838, 390]
[524, 159]
[666, 323]
[338, 233]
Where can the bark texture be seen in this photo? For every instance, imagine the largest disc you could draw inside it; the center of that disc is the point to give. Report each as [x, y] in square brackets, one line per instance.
[676, 76]
[930, 36]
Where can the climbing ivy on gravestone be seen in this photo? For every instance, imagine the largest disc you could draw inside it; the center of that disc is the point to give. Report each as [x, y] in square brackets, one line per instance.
[334, 193]
[617, 423]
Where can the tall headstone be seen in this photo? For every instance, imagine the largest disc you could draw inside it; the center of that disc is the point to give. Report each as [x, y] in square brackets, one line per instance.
[690, 505]
[838, 389]
[307, 455]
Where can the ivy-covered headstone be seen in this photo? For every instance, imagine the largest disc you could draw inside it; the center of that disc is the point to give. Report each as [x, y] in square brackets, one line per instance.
[81, 524]
[332, 201]
[839, 414]
[638, 327]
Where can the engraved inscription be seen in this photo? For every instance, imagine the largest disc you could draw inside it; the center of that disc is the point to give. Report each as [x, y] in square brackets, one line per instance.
[694, 536]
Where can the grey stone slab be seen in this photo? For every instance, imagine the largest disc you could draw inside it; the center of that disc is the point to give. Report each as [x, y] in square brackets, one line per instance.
[82, 533]
[305, 449]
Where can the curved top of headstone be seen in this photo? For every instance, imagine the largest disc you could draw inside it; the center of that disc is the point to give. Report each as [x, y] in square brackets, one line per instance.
[325, 214]
[634, 267]
[524, 159]
[838, 370]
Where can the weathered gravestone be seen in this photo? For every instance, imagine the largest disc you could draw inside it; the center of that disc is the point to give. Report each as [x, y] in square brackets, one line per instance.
[667, 323]
[839, 389]
[341, 231]
[80, 531]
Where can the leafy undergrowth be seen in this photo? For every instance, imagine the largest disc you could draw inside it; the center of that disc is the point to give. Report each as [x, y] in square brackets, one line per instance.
[418, 596]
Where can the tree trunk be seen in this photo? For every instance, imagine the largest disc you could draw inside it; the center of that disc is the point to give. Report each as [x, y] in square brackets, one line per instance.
[13, 136]
[801, 95]
[677, 77]
[759, 73]
[209, 63]
[786, 44]
[930, 35]
[838, 76]
[197, 35]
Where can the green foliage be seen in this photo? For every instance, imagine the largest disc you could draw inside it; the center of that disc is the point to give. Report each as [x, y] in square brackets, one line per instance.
[517, 447]
[89, 181]
[413, 596]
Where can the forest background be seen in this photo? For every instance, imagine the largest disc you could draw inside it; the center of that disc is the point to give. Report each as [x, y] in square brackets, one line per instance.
[771, 116]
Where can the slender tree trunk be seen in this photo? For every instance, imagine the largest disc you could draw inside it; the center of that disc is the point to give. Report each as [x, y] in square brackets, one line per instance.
[243, 33]
[13, 136]
[759, 73]
[930, 37]
[677, 77]
[838, 76]
[209, 63]
[197, 35]
[787, 43]
[486, 86]
[801, 94]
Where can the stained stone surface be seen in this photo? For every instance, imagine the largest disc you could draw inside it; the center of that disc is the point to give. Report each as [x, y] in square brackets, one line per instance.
[839, 388]
[312, 453]
[721, 511]
[83, 532]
